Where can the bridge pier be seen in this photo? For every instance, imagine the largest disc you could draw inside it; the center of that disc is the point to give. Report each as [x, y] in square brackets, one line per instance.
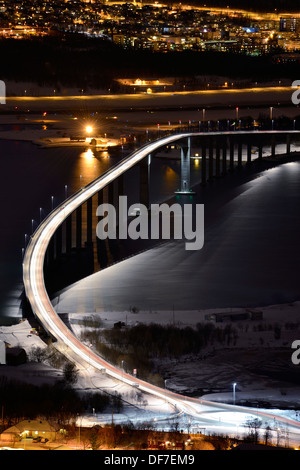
[110, 193]
[69, 234]
[79, 228]
[249, 152]
[203, 163]
[288, 144]
[144, 167]
[120, 184]
[89, 221]
[218, 158]
[58, 242]
[231, 146]
[260, 149]
[240, 153]
[224, 156]
[185, 167]
[50, 251]
[211, 160]
[273, 146]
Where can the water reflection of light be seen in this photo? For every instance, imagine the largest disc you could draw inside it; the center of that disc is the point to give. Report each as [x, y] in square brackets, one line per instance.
[292, 164]
[170, 173]
[88, 154]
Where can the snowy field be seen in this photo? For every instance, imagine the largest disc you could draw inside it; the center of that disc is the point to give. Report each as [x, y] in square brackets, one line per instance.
[216, 370]
[256, 360]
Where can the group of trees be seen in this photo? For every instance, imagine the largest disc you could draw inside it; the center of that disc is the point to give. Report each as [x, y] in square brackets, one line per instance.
[158, 341]
[167, 341]
[59, 402]
[76, 61]
[140, 346]
[144, 436]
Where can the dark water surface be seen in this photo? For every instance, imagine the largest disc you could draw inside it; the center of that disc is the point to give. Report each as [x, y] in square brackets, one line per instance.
[250, 258]
[34, 179]
[30, 176]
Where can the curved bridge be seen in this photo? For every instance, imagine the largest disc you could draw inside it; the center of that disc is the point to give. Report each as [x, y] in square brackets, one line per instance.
[42, 308]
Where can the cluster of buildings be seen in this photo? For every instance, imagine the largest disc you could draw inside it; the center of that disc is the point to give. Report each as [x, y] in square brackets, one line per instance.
[154, 26]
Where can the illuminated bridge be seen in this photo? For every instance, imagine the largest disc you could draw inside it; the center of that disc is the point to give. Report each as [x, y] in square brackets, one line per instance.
[219, 153]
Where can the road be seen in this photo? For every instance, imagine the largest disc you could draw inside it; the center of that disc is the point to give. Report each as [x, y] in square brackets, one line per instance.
[211, 98]
[43, 309]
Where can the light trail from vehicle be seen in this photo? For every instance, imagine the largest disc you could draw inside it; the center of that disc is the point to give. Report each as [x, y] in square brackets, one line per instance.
[33, 278]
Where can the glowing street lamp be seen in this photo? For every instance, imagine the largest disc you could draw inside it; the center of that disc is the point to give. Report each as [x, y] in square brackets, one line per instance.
[89, 129]
[234, 385]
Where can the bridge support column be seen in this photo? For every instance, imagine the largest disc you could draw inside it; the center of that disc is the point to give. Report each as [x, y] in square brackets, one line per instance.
[79, 228]
[231, 165]
[288, 144]
[240, 153]
[89, 221]
[185, 168]
[273, 146]
[249, 154]
[144, 167]
[58, 242]
[224, 157]
[100, 198]
[217, 157]
[260, 149]
[211, 160]
[50, 251]
[69, 234]
[203, 163]
[120, 183]
[110, 193]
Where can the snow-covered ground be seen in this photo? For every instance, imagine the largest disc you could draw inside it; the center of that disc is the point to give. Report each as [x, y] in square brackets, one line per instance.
[21, 335]
[258, 361]
[272, 313]
[217, 372]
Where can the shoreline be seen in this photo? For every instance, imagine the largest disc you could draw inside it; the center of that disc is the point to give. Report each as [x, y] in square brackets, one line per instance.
[265, 95]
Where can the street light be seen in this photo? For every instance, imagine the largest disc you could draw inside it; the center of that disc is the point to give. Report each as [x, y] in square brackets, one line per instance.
[89, 129]
[234, 385]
